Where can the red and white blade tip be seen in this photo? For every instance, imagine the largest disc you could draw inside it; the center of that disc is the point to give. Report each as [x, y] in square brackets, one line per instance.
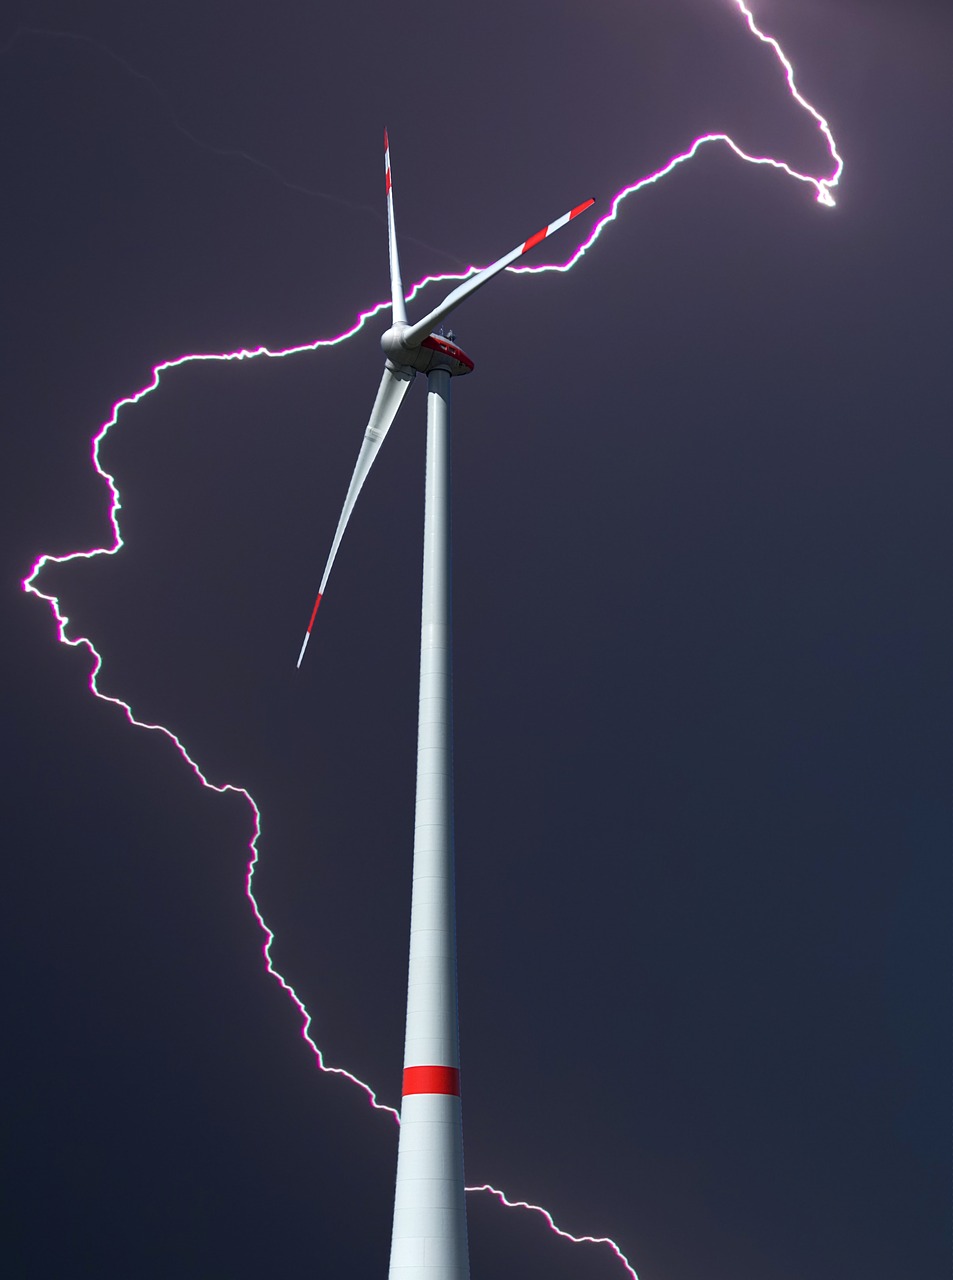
[554, 226]
[307, 634]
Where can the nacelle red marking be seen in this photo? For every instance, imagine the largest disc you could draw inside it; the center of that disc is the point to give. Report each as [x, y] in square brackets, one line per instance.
[459, 361]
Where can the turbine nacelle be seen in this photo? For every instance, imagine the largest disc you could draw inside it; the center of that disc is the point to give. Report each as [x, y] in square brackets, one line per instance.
[434, 352]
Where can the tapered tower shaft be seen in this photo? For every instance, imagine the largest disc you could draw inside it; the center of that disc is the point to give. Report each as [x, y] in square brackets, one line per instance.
[429, 1239]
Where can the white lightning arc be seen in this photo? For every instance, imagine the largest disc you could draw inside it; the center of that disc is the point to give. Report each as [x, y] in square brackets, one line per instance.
[823, 187]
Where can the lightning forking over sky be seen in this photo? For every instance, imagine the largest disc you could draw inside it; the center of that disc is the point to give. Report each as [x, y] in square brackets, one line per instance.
[823, 187]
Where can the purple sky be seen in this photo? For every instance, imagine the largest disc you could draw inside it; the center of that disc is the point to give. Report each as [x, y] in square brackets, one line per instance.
[701, 523]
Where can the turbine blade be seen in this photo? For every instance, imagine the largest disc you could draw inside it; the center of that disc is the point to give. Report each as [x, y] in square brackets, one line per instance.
[413, 336]
[390, 396]
[398, 310]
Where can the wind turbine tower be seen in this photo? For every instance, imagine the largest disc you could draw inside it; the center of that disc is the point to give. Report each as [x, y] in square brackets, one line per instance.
[429, 1239]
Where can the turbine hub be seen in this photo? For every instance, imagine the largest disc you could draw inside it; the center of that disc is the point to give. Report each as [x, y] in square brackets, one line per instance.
[434, 352]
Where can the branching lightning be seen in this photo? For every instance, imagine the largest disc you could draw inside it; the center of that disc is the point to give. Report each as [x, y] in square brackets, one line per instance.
[823, 188]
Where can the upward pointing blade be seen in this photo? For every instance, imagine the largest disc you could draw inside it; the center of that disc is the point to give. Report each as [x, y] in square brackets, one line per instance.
[390, 396]
[413, 336]
[398, 310]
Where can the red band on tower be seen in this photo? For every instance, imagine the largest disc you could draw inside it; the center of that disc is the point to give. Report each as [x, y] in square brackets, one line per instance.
[432, 1080]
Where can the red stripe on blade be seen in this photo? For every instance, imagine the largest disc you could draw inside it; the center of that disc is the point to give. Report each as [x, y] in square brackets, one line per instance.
[314, 612]
[581, 208]
[534, 240]
[432, 1080]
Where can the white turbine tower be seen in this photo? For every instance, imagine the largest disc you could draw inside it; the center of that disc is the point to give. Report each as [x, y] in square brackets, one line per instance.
[429, 1240]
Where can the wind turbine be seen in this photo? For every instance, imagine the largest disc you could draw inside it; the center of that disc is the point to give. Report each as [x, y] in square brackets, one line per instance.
[429, 1239]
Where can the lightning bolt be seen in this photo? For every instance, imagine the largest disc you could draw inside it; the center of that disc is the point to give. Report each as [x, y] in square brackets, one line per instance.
[823, 188]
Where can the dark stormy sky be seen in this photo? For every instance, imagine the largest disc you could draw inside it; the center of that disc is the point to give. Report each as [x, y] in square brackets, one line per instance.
[702, 640]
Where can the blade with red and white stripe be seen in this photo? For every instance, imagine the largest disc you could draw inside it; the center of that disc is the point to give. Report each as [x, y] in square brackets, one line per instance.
[390, 396]
[398, 310]
[417, 332]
